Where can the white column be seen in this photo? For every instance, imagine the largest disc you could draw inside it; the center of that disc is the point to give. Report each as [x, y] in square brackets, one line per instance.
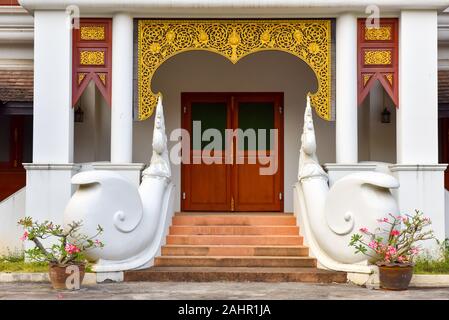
[48, 177]
[122, 89]
[53, 112]
[418, 171]
[417, 116]
[346, 89]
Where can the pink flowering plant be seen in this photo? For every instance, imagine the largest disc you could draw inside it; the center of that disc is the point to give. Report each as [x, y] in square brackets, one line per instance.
[395, 240]
[70, 245]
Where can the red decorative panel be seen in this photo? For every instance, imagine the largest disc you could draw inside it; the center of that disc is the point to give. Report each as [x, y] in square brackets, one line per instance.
[378, 58]
[9, 3]
[92, 57]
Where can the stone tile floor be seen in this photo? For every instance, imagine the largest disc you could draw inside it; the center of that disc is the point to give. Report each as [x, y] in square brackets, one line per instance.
[213, 290]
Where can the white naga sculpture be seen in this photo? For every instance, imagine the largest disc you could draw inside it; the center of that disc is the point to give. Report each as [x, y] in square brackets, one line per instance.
[329, 217]
[135, 220]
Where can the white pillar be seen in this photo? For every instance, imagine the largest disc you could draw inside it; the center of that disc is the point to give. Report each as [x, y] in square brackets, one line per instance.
[122, 89]
[346, 89]
[48, 177]
[418, 171]
[417, 116]
[53, 112]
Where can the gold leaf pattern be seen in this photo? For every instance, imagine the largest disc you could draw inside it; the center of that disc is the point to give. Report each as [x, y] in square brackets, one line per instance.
[92, 58]
[91, 33]
[379, 57]
[382, 33]
[366, 78]
[389, 77]
[81, 77]
[309, 40]
[102, 77]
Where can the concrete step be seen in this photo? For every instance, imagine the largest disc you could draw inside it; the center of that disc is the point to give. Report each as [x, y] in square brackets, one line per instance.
[234, 240]
[238, 274]
[229, 250]
[234, 230]
[240, 261]
[234, 220]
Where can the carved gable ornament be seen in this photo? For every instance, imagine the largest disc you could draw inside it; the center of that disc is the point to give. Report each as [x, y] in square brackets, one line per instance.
[378, 58]
[159, 40]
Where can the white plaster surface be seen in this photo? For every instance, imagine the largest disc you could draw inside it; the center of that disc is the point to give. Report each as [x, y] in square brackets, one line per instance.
[48, 191]
[422, 189]
[122, 89]
[284, 7]
[93, 135]
[346, 89]
[53, 112]
[417, 134]
[12, 209]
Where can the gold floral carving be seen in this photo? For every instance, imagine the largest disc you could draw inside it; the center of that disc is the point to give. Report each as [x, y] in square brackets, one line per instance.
[102, 77]
[81, 77]
[379, 57]
[389, 77]
[91, 33]
[309, 40]
[92, 58]
[382, 33]
[366, 78]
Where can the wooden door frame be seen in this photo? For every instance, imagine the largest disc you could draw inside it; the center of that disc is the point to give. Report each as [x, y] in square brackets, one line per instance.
[186, 117]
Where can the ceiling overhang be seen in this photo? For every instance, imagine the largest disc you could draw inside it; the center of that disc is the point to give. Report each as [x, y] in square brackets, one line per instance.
[234, 8]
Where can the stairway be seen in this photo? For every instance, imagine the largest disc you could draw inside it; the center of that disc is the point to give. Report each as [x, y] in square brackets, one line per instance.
[264, 247]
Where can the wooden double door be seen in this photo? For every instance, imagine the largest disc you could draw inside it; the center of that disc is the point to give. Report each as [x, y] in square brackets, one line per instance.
[233, 157]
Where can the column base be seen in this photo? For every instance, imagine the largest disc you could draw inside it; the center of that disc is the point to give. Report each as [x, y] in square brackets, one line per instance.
[337, 171]
[48, 190]
[108, 277]
[422, 188]
[131, 171]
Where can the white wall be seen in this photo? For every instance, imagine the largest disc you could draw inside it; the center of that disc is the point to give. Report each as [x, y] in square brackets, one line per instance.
[22, 51]
[92, 136]
[377, 140]
[16, 34]
[12, 210]
[267, 71]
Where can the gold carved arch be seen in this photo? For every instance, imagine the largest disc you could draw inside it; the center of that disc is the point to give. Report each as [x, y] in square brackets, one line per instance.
[159, 40]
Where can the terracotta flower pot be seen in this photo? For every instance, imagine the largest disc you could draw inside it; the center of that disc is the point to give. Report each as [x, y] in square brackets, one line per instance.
[395, 276]
[59, 274]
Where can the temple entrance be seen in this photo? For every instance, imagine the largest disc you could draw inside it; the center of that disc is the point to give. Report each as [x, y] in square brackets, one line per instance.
[235, 152]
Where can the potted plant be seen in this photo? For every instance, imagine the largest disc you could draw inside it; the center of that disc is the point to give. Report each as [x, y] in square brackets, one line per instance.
[63, 249]
[393, 247]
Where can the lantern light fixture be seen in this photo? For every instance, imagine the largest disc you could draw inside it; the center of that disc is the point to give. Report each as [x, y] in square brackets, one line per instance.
[386, 116]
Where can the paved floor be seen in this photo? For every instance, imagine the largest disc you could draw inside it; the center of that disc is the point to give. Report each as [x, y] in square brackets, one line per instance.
[214, 290]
